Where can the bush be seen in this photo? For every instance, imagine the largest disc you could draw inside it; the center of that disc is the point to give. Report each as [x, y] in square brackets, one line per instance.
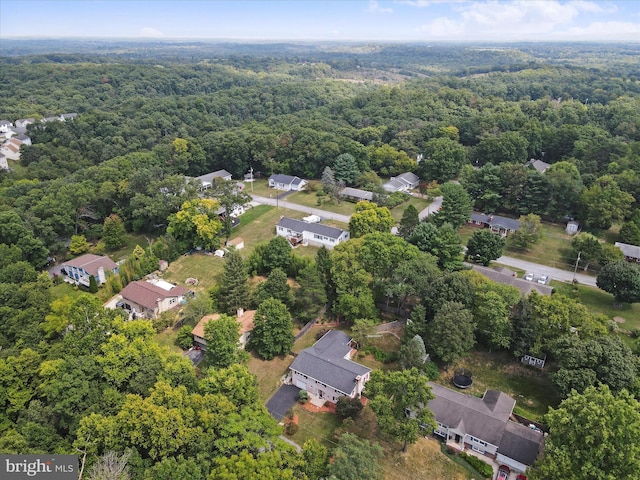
[303, 395]
[184, 339]
[635, 333]
[483, 468]
[348, 407]
[291, 428]
[431, 371]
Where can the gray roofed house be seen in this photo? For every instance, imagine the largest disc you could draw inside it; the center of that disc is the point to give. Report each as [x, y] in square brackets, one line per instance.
[508, 278]
[297, 231]
[326, 370]
[356, 194]
[286, 182]
[80, 269]
[207, 180]
[26, 139]
[498, 224]
[484, 425]
[402, 183]
[630, 252]
[539, 165]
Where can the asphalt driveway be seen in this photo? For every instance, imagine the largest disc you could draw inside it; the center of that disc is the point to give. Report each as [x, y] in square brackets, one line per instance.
[281, 401]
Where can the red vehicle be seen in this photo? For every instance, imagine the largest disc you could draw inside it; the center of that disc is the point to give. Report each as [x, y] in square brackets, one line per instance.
[503, 473]
[521, 477]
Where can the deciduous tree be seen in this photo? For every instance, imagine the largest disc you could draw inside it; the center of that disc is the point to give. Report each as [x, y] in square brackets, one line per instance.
[368, 218]
[622, 280]
[356, 459]
[273, 331]
[529, 232]
[113, 232]
[222, 336]
[484, 246]
[590, 437]
[197, 224]
[451, 333]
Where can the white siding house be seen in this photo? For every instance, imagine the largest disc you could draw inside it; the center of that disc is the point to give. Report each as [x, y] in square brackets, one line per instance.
[297, 231]
[286, 182]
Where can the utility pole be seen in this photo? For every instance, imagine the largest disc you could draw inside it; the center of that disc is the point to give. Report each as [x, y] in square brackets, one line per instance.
[251, 172]
[575, 269]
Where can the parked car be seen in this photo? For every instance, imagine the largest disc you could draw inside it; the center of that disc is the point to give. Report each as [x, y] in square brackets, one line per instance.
[521, 477]
[529, 276]
[503, 473]
[543, 279]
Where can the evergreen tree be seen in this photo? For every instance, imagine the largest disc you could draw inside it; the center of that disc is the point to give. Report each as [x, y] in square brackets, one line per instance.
[113, 232]
[311, 297]
[273, 331]
[234, 287]
[408, 222]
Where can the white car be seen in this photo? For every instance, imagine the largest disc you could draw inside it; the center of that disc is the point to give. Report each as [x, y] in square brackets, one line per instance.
[529, 276]
[543, 279]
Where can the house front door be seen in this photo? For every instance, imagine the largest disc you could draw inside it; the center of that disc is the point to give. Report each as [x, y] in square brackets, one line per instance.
[320, 394]
[457, 438]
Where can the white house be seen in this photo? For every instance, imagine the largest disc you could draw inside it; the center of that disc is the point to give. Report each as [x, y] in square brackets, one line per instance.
[151, 298]
[484, 425]
[23, 122]
[402, 183]
[631, 252]
[80, 269]
[207, 180]
[326, 370]
[11, 149]
[5, 126]
[3, 162]
[286, 182]
[297, 231]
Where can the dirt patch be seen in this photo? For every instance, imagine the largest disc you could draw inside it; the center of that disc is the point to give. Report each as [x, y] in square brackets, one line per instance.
[619, 319]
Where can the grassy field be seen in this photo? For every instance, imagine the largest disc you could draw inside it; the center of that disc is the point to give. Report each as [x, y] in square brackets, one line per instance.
[419, 203]
[530, 387]
[133, 239]
[167, 339]
[310, 199]
[627, 316]
[260, 187]
[318, 425]
[66, 289]
[269, 373]
[553, 250]
[206, 268]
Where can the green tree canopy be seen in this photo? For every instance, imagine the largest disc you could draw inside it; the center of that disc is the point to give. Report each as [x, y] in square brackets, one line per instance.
[233, 287]
[273, 331]
[484, 246]
[590, 437]
[196, 224]
[622, 280]
[456, 206]
[356, 459]
[222, 337]
[368, 218]
[451, 333]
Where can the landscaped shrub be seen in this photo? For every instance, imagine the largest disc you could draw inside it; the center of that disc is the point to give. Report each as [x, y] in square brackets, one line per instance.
[348, 407]
[483, 468]
[431, 371]
[291, 428]
[184, 339]
[303, 395]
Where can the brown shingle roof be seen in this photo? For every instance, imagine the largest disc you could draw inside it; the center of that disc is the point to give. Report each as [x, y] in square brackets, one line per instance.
[90, 263]
[245, 321]
[147, 294]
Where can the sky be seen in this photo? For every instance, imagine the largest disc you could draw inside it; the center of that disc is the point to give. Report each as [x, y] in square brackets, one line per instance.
[339, 20]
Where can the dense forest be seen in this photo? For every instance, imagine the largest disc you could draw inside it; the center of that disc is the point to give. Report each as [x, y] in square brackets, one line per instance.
[77, 378]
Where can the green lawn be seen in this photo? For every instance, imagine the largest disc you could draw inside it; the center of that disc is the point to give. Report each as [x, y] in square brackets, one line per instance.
[260, 187]
[132, 240]
[598, 301]
[530, 387]
[310, 199]
[419, 203]
[206, 268]
[319, 425]
[268, 373]
[553, 250]
[66, 289]
[167, 339]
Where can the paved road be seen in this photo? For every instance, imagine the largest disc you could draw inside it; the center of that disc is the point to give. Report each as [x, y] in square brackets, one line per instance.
[434, 207]
[302, 208]
[554, 273]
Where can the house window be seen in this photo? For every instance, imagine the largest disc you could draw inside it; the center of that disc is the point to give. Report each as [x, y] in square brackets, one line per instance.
[172, 301]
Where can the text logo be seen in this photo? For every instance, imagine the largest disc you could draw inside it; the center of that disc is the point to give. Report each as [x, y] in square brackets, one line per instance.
[45, 467]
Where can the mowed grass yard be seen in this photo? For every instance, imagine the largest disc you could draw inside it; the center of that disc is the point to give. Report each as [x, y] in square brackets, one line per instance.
[529, 387]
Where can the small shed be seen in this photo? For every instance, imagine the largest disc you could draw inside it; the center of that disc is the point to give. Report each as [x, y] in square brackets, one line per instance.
[237, 243]
[572, 227]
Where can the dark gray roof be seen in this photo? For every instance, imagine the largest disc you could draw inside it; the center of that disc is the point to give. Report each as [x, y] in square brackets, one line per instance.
[325, 362]
[300, 226]
[22, 137]
[525, 286]
[539, 165]
[496, 221]
[521, 443]
[357, 193]
[208, 177]
[285, 179]
[484, 418]
[408, 177]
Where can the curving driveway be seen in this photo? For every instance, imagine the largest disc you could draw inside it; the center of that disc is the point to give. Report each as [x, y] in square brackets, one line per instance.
[280, 202]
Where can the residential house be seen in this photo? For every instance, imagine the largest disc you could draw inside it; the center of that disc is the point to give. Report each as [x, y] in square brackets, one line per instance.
[631, 252]
[402, 183]
[485, 426]
[5, 126]
[25, 139]
[23, 122]
[245, 326]
[508, 277]
[3, 162]
[326, 370]
[539, 165]
[297, 231]
[356, 195]
[79, 270]
[11, 149]
[208, 179]
[502, 225]
[151, 298]
[286, 182]
[50, 119]
[237, 243]
[68, 116]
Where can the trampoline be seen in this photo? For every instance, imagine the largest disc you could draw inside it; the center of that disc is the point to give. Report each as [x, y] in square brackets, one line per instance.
[462, 378]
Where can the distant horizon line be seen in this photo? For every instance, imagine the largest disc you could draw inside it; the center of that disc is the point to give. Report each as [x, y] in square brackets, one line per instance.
[309, 40]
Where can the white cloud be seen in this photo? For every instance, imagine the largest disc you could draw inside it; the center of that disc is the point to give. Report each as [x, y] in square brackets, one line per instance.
[617, 31]
[150, 32]
[517, 20]
[593, 7]
[426, 3]
[374, 7]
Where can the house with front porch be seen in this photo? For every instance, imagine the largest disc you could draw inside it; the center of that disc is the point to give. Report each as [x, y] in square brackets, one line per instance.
[299, 232]
[326, 370]
[79, 270]
[286, 182]
[485, 425]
